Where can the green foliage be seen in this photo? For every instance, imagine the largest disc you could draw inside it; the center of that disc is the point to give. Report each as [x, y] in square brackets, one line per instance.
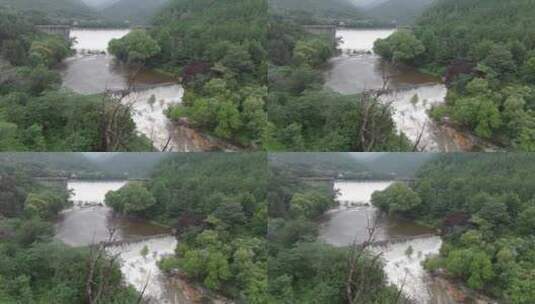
[62, 121]
[396, 199]
[136, 47]
[473, 266]
[400, 47]
[144, 251]
[313, 52]
[133, 198]
[45, 204]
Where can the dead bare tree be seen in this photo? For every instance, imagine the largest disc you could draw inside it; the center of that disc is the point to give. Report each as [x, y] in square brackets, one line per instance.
[116, 111]
[360, 260]
[415, 147]
[100, 267]
[376, 114]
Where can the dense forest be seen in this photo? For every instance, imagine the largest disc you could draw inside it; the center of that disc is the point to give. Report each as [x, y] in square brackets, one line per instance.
[35, 268]
[221, 62]
[484, 205]
[217, 204]
[306, 116]
[302, 269]
[489, 66]
[36, 114]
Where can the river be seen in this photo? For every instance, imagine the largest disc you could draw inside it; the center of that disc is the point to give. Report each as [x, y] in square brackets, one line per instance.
[349, 223]
[88, 222]
[92, 71]
[357, 69]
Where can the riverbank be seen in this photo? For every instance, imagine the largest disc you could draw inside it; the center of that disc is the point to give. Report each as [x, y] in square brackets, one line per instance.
[454, 292]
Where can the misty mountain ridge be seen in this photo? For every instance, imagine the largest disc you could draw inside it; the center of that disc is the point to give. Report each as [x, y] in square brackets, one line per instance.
[134, 11]
[398, 11]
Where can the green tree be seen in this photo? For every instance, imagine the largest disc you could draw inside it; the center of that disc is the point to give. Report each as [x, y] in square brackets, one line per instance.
[402, 46]
[526, 224]
[397, 198]
[133, 198]
[136, 47]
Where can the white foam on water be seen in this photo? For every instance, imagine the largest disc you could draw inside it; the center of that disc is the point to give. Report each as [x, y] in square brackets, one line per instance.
[95, 39]
[361, 40]
[92, 191]
[139, 271]
[358, 192]
[412, 117]
[407, 272]
[149, 108]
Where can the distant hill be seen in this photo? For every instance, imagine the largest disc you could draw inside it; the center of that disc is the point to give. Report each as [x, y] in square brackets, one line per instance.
[398, 11]
[133, 11]
[319, 164]
[319, 11]
[54, 9]
[45, 164]
[127, 164]
[398, 164]
[316, 6]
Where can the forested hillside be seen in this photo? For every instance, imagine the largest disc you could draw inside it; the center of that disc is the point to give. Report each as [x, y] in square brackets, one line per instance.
[217, 204]
[486, 51]
[484, 204]
[35, 268]
[302, 269]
